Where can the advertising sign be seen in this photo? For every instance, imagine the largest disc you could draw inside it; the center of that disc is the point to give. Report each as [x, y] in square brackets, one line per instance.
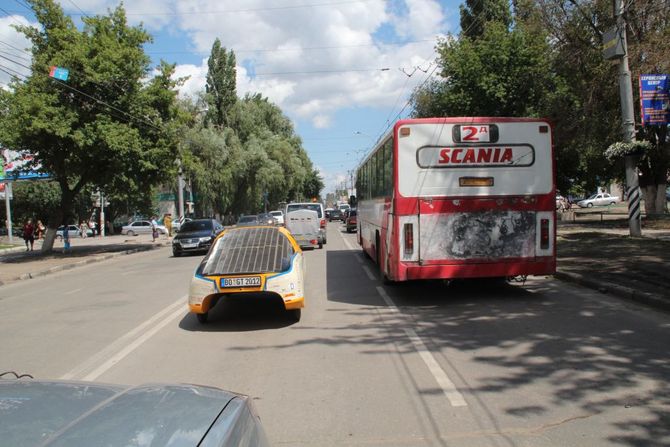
[655, 99]
[19, 166]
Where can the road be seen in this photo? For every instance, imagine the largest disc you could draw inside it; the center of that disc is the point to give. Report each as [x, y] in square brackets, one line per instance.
[467, 364]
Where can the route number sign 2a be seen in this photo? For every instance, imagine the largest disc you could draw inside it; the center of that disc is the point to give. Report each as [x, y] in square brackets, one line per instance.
[475, 133]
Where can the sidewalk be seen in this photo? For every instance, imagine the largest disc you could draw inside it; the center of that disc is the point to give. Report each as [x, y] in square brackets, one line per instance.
[18, 264]
[602, 256]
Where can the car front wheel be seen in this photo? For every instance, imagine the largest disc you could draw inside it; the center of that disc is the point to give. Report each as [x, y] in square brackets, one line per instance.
[589, 205]
[130, 233]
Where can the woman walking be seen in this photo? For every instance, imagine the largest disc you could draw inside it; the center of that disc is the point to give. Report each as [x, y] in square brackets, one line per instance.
[29, 234]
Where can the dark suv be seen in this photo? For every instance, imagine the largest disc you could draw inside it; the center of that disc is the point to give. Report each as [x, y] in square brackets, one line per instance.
[195, 236]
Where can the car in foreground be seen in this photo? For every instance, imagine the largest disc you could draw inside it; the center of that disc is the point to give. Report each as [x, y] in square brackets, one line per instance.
[247, 221]
[313, 206]
[351, 221]
[73, 414]
[196, 236]
[141, 227]
[279, 216]
[260, 260]
[602, 199]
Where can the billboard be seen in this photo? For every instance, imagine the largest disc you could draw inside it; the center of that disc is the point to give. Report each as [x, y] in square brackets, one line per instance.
[655, 99]
[19, 166]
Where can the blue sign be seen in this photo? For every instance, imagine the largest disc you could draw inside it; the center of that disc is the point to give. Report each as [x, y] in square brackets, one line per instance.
[59, 73]
[655, 100]
[19, 166]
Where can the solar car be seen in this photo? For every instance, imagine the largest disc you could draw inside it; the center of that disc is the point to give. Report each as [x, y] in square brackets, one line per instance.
[259, 260]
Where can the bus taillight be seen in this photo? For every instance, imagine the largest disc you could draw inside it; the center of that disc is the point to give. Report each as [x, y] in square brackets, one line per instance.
[409, 238]
[544, 234]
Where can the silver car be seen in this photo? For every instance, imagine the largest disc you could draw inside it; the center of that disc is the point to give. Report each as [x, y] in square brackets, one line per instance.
[141, 227]
[84, 414]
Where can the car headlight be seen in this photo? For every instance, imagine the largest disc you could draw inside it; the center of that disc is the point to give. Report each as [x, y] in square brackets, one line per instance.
[199, 289]
[205, 239]
[175, 241]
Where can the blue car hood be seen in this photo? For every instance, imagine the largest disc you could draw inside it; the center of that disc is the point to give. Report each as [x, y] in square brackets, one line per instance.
[72, 414]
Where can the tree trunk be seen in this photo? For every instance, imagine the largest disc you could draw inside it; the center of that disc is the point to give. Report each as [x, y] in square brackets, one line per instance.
[61, 217]
[654, 199]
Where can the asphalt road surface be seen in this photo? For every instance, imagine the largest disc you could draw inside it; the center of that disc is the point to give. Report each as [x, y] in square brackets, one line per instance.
[467, 364]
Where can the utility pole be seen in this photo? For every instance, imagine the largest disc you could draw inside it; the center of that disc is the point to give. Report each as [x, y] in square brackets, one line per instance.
[180, 189]
[8, 208]
[628, 125]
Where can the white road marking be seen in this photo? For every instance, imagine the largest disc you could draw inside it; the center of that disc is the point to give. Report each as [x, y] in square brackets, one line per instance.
[112, 352]
[347, 243]
[369, 273]
[455, 398]
[448, 388]
[72, 291]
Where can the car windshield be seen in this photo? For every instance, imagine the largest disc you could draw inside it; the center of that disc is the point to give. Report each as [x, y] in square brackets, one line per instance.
[247, 219]
[592, 197]
[196, 225]
[305, 206]
[276, 213]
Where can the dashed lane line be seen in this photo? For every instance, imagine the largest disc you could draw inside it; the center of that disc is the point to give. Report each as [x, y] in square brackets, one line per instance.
[107, 357]
[448, 387]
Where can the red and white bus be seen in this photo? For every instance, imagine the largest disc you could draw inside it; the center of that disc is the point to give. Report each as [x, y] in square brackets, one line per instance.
[446, 198]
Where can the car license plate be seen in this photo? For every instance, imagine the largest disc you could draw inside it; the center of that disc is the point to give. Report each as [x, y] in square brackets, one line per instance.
[247, 281]
[189, 245]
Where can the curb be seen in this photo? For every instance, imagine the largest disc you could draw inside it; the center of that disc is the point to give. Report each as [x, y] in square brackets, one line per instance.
[626, 293]
[12, 250]
[83, 262]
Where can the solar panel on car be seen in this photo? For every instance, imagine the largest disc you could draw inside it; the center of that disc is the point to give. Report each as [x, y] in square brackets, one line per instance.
[253, 250]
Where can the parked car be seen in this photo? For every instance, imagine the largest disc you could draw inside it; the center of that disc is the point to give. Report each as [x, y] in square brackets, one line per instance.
[252, 260]
[70, 413]
[336, 215]
[279, 215]
[141, 227]
[600, 199]
[196, 236]
[351, 221]
[248, 221]
[314, 206]
[73, 231]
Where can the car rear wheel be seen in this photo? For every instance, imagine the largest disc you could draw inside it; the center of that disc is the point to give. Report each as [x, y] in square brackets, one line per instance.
[202, 318]
[175, 253]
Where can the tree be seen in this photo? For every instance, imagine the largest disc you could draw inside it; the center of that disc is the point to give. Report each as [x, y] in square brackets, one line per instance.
[221, 90]
[106, 126]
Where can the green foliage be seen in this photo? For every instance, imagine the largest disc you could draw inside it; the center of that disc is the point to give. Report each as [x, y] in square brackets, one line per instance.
[220, 91]
[34, 199]
[545, 59]
[106, 126]
[620, 149]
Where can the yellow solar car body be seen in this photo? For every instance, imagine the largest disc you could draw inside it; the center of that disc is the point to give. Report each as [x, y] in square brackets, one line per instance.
[259, 260]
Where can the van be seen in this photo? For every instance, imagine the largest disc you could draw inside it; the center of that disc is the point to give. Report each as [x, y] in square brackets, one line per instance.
[303, 224]
[313, 206]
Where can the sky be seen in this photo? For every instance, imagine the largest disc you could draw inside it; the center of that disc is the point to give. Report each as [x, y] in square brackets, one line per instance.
[341, 70]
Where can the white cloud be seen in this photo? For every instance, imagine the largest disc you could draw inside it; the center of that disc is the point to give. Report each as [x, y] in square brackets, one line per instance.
[15, 53]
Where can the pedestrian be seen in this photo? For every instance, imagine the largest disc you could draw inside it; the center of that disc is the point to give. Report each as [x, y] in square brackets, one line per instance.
[154, 229]
[83, 228]
[40, 229]
[29, 234]
[167, 221]
[91, 225]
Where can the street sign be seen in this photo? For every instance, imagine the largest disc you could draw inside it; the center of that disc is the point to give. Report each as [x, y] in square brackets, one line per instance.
[59, 73]
[613, 44]
[3, 189]
[655, 99]
[17, 166]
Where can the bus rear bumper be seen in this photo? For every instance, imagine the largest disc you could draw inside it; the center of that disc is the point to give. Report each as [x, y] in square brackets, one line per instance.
[536, 266]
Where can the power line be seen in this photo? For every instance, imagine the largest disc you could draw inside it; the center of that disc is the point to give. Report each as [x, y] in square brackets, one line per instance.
[320, 72]
[24, 5]
[77, 6]
[276, 50]
[235, 11]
